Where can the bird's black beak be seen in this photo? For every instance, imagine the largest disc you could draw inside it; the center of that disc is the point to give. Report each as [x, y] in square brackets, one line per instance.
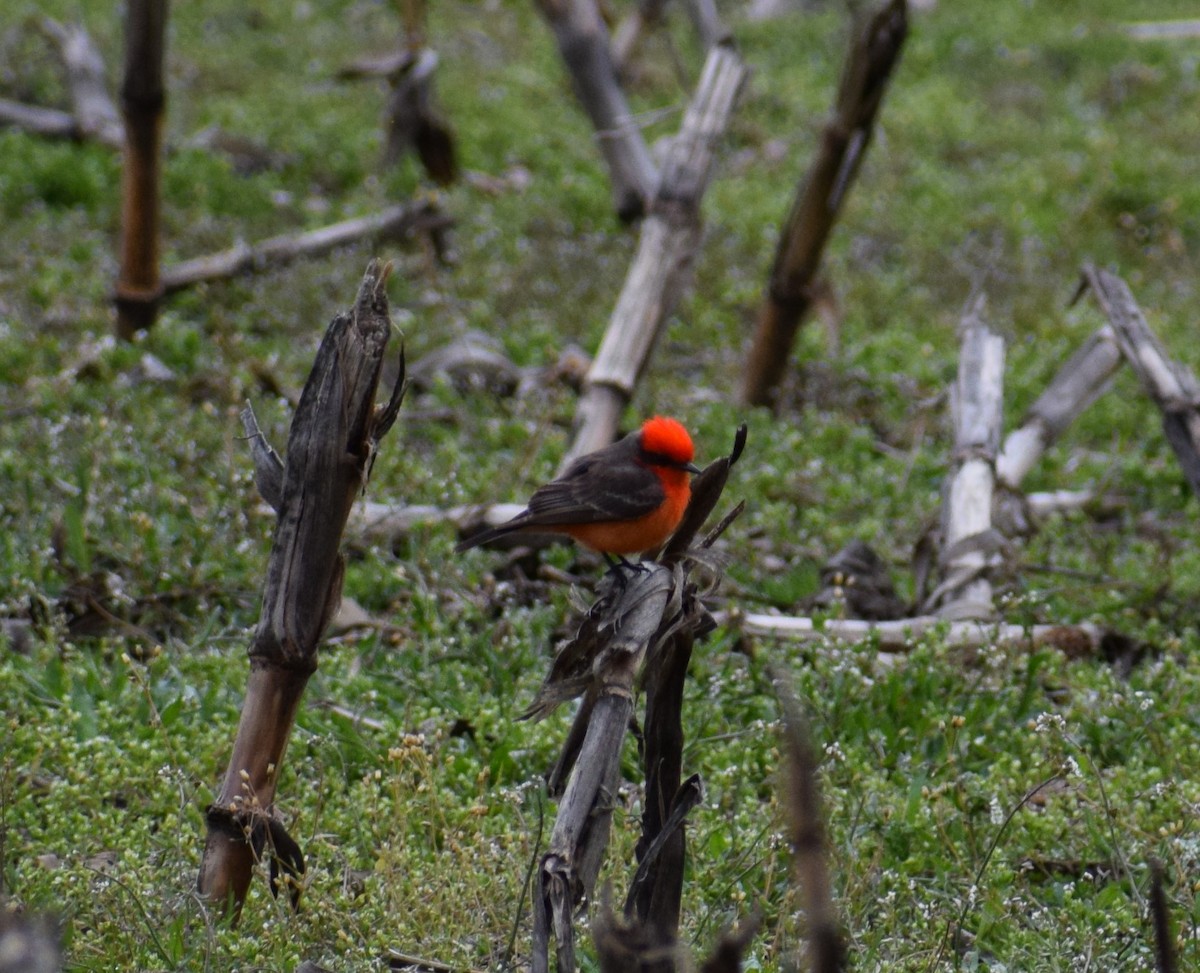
[692, 468]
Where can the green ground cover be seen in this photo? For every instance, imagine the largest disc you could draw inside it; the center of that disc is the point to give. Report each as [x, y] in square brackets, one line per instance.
[1017, 141]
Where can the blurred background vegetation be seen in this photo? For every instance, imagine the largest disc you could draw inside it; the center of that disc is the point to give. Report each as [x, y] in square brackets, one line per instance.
[1017, 141]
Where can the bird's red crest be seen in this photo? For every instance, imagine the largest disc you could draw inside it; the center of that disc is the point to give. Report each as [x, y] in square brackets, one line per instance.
[668, 438]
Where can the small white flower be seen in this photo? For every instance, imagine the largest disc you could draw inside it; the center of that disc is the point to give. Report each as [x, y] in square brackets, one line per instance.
[1047, 722]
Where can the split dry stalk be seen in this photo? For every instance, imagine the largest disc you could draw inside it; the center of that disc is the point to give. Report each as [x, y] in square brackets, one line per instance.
[582, 39]
[1173, 387]
[651, 616]
[332, 443]
[143, 102]
[977, 403]
[569, 868]
[661, 270]
[874, 54]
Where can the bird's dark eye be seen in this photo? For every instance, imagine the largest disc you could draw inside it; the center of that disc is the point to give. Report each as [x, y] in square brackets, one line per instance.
[660, 459]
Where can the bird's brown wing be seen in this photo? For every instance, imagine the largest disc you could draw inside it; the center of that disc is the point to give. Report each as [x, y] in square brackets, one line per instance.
[603, 486]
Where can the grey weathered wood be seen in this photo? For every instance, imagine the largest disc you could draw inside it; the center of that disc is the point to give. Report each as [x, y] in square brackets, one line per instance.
[667, 247]
[268, 467]
[94, 109]
[902, 634]
[48, 122]
[395, 221]
[572, 861]
[1078, 384]
[94, 115]
[977, 405]
[582, 40]
[1154, 30]
[1173, 387]
[332, 443]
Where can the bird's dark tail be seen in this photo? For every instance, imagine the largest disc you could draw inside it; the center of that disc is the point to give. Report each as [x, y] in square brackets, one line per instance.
[485, 536]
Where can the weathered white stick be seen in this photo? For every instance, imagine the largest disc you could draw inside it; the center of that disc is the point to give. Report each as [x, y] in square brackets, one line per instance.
[977, 404]
[95, 111]
[667, 246]
[582, 37]
[1042, 505]
[1077, 385]
[387, 521]
[903, 633]
[1153, 30]
[394, 221]
[48, 122]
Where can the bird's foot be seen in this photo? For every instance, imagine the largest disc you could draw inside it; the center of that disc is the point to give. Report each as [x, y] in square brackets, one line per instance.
[622, 569]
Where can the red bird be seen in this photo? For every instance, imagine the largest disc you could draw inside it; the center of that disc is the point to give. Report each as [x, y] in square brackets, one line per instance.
[622, 499]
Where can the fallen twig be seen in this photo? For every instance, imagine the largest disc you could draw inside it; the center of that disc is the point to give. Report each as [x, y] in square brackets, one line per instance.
[1153, 30]
[94, 116]
[902, 634]
[94, 111]
[395, 221]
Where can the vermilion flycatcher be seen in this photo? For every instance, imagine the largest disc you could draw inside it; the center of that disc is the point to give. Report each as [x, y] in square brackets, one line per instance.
[622, 499]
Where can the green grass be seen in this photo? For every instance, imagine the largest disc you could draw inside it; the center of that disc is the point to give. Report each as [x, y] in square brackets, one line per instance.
[1017, 141]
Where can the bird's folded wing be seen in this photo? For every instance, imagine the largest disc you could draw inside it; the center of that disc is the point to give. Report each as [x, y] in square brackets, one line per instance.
[592, 496]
